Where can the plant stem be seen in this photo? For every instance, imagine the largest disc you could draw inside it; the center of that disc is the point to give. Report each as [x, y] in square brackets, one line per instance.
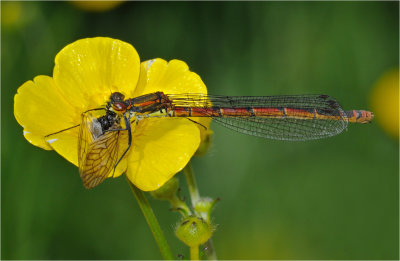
[194, 253]
[152, 222]
[210, 252]
[195, 196]
[194, 192]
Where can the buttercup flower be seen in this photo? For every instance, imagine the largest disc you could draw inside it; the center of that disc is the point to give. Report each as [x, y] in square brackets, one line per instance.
[96, 6]
[86, 72]
[12, 13]
[385, 102]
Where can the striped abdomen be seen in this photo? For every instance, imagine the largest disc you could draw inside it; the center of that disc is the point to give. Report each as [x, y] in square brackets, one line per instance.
[354, 116]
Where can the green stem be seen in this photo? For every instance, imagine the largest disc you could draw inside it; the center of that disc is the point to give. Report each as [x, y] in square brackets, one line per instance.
[152, 222]
[194, 253]
[195, 196]
[194, 192]
[210, 252]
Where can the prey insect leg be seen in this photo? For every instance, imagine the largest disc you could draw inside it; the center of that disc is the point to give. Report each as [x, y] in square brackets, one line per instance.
[128, 128]
[96, 109]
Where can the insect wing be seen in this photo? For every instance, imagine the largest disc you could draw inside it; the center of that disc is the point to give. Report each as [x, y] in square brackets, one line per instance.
[291, 117]
[97, 150]
[291, 129]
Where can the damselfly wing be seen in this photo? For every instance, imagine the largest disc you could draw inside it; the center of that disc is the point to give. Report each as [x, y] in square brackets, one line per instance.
[294, 118]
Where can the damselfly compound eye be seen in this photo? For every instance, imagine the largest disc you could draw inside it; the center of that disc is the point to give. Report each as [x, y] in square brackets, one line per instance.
[119, 106]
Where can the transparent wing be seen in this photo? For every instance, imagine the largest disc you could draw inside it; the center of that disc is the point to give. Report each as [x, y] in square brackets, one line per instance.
[97, 151]
[294, 117]
[283, 129]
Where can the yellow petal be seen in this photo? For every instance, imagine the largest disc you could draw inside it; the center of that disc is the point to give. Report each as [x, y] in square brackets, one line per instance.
[89, 70]
[66, 144]
[171, 77]
[161, 148]
[121, 168]
[41, 110]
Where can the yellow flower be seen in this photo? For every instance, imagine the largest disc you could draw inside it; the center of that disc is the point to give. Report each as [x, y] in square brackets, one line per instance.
[96, 6]
[86, 72]
[11, 13]
[385, 102]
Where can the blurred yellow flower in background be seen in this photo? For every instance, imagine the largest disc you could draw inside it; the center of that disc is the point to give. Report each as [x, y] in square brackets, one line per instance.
[96, 6]
[86, 72]
[385, 102]
[10, 13]
[16, 14]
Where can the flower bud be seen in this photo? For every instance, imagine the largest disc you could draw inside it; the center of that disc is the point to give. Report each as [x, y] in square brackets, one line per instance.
[167, 191]
[194, 231]
[204, 206]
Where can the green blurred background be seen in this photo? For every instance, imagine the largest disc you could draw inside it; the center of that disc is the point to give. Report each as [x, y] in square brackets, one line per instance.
[335, 198]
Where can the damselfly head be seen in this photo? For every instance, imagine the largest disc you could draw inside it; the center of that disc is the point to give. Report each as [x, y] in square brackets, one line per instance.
[117, 102]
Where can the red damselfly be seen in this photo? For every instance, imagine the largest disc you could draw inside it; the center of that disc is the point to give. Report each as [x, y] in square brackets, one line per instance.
[290, 117]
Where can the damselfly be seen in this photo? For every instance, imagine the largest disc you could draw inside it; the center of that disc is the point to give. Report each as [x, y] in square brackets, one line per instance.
[291, 117]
